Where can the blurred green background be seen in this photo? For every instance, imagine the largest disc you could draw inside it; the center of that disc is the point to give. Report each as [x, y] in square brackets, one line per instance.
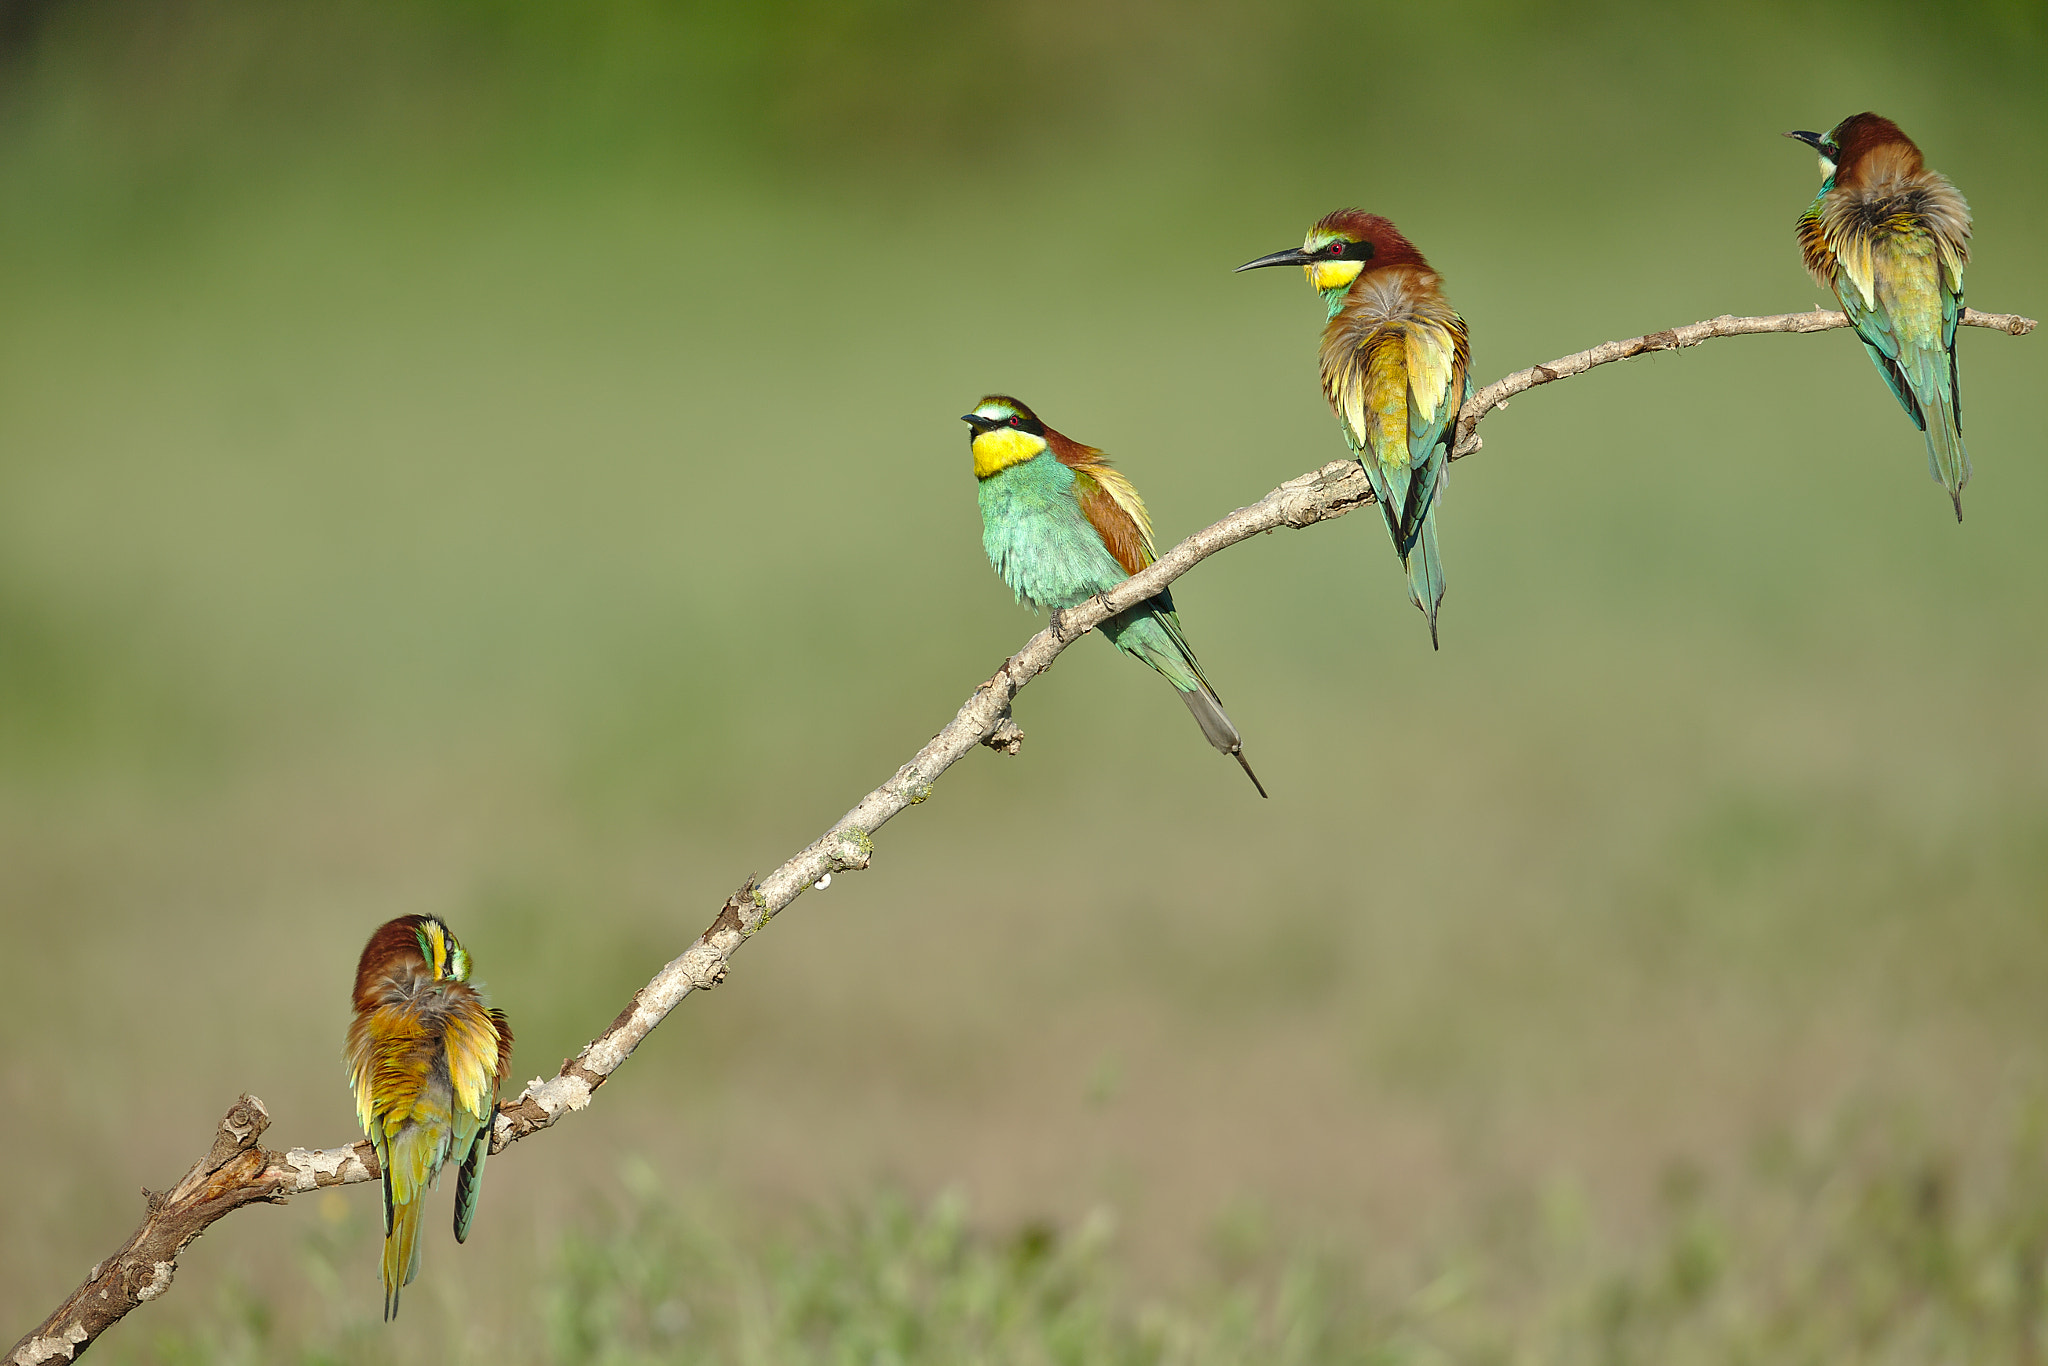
[501, 460]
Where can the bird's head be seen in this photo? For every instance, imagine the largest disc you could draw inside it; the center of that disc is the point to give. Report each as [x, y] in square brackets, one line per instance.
[441, 951]
[1849, 149]
[1002, 432]
[416, 947]
[1341, 247]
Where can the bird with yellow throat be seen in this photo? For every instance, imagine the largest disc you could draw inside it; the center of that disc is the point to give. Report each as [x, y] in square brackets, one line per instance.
[1395, 363]
[1061, 524]
[426, 1054]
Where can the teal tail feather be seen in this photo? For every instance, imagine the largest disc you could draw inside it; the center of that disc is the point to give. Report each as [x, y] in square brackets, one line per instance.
[1426, 575]
[1947, 458]
[1417, 493]
[469, 1184]
[1150, 632]
[1423, 489]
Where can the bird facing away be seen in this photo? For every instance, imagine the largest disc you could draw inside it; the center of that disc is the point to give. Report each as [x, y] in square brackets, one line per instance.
[425, 1056]
[1060, 525]
[1891, 238]
[1394, 366]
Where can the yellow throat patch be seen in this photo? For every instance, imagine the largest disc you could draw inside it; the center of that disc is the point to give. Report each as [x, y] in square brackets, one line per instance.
[996, 451]
[1332, 274]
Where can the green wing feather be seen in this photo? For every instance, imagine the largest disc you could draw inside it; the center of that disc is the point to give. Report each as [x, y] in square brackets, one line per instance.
[1896, 264]
[1910, 337]
[469, 1180]
[1149, 632]
[1881, 339]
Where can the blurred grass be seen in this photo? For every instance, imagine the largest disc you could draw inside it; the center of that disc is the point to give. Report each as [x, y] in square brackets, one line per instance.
[1835, 1248]
[501, 462]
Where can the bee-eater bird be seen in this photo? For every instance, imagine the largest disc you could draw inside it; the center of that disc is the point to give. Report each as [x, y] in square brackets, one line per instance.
[426, 1054]
[1394, 366]
[1061, 524]
[1891, 238]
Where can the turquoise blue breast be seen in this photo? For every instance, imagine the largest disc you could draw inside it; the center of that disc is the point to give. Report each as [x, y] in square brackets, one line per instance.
[1039, 540]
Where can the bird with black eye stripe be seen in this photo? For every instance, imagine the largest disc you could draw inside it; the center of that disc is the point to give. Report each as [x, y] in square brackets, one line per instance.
[1395, 363]
[1061, 524]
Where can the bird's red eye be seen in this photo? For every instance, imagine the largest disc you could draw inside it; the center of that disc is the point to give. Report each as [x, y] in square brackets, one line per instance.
[1334, 249]
[1016, 422]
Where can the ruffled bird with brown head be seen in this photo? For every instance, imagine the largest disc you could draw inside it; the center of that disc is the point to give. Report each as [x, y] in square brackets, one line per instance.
[1891, 238]
[1394, 362]
[426, 1055]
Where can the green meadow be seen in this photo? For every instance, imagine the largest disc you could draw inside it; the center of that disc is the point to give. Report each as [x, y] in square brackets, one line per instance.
[503, 462]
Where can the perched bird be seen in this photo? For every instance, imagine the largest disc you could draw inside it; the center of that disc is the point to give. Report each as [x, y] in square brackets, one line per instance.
[1060, 525]
[1891, 238]
[1394, 365]
[425, 1057]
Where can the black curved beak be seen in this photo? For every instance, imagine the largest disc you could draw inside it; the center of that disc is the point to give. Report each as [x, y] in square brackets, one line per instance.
[1293, 256]
[979, 423]
[1816, 141]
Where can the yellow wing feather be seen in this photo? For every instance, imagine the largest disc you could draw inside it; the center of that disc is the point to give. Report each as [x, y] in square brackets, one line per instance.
[1413, 367]
[388, 1066]
[1431, 357]
[472, 1042]
[1351, 401]
[1126, 496]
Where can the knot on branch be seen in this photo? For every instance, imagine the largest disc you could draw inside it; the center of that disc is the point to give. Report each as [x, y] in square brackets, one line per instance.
[158, 1281]
[703, 967]
[240, 1127]
[1007, 737]
[855, 847]
[1337, 487]
[744, 912]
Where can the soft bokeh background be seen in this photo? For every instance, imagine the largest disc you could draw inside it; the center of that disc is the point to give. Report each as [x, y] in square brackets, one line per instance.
[501, 460]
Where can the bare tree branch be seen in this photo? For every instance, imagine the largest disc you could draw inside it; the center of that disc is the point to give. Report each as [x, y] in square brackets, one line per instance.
[236, 1171]
[1497, 394]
